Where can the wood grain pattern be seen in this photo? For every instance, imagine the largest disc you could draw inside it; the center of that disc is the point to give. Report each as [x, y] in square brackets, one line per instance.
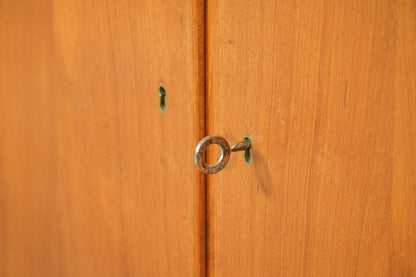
[94, 179]
[327, 92]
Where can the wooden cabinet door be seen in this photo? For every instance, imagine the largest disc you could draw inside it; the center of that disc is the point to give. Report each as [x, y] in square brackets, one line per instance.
[94, 179]
[327, 92]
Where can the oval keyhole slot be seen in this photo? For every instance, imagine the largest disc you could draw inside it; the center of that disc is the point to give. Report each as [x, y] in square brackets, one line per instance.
[162, 99]
[248, 153]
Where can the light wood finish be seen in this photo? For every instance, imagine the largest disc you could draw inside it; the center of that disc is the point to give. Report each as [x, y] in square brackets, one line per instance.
[327, 92]
[94, 179]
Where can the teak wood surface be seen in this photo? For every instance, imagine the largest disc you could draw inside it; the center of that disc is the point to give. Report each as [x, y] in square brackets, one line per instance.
[94, 179]
[326, 90]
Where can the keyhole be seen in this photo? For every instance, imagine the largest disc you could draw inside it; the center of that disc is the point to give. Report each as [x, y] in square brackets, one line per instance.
[162, 99]
[248, 153]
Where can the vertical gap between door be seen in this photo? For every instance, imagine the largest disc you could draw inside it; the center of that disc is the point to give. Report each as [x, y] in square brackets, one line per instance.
[199, 113]
[209, 192]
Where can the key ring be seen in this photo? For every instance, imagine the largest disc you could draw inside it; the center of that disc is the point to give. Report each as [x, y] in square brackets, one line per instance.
[202, 147]
[225, 153]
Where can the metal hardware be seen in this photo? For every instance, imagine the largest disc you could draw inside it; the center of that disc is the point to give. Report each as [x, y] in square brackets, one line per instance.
[163, 105]
[241, 146]
[248, 153]
[226, 150]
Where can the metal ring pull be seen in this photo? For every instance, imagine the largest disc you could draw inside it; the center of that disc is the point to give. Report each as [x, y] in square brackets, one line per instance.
[225, 153]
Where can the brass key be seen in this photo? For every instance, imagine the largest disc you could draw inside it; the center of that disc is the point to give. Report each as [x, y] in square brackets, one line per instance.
[226, 150]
